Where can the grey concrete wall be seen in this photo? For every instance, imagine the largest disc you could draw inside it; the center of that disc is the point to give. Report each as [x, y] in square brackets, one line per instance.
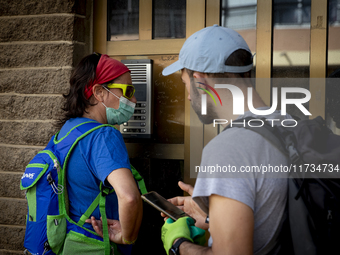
[40, 42]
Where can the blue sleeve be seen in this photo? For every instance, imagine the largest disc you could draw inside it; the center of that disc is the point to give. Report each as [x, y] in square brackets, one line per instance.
[107, 153]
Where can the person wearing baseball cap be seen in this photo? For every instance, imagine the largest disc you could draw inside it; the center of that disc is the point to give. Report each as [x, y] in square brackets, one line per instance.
[245, 213]
[101, 92]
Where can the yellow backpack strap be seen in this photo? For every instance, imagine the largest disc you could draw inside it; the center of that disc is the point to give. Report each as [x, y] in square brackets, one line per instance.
[139, 179]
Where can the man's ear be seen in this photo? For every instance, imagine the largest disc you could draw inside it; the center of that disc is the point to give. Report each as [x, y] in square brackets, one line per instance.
[201, 77]
[98, 92]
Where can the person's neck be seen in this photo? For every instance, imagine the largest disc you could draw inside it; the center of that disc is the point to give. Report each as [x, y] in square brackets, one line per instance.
[93, 113]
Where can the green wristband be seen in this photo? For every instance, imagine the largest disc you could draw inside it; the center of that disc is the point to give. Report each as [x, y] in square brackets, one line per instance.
[172, 230]
[198, 235]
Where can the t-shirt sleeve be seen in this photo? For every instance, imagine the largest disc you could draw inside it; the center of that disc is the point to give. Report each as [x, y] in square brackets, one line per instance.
[240, 189]
[108, 152]
[228, 152]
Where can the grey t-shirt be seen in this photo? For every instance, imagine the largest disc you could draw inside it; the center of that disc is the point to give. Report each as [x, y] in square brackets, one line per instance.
[265, 195]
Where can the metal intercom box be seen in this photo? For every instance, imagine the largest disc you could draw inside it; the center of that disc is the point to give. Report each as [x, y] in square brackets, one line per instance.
[140, 124]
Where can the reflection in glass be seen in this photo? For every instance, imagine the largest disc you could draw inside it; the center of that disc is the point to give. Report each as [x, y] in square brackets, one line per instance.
[168, 19]
[238, 15]
[291, 38]
[241, 16]
[291, 12]
[333, 67]
[291, 47]
[123, 20]
[333, 36]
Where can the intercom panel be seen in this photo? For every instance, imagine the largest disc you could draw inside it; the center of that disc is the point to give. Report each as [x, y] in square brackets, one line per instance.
[140, 124]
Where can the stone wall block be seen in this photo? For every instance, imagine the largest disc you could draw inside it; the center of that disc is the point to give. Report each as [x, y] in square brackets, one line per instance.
[16, 159]
[30, 107]
[52, 28]
[35, 81]
[26, 133]
[12, 238]
[10, 185]
[7, 252]
[33, 7]
[13, 211]
[36, 55]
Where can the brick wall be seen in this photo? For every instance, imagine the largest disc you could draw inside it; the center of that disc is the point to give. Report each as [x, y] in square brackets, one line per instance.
[40, 42]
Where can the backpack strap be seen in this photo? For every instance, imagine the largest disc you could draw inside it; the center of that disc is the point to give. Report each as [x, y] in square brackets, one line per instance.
[89, 211]
[96, 201]
[102, 201]
[140, 180]
[77, 133]
[70, 140]
[92, 207]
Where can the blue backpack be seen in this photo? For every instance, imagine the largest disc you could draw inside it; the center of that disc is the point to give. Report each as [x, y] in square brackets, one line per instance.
[49, 229]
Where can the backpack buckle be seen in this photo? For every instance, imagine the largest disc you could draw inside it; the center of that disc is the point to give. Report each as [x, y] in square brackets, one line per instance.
[104, 190]
[46, 247]
[293, 154]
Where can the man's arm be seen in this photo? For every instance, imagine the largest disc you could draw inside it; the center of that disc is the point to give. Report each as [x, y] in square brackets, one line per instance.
[231, 228]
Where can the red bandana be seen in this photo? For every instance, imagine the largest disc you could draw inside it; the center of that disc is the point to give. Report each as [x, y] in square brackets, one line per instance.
[107, 70]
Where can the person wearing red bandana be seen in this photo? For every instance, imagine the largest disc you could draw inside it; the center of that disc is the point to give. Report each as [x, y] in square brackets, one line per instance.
[101, 91]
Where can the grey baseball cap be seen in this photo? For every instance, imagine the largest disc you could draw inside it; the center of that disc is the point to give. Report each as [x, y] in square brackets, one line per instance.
[207, 50]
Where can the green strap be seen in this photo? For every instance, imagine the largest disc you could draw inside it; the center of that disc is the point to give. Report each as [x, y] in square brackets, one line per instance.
[102, 200]
[92, 207]
[139, 179]
[89, 210]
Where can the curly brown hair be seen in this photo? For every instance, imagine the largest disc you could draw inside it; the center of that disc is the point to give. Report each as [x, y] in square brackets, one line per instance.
[76, 103]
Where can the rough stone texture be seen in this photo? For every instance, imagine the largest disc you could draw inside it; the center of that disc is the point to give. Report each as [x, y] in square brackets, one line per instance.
[10, 185]
[36, 81]
[13, 211]
[33, 7]
[30, 107]
[16, 159]
[52, 28]
[26, 133]
[12, 238]
[36, 55]
[7, 252]
[39, 47]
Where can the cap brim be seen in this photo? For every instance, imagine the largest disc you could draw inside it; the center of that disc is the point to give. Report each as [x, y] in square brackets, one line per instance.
[174, 67]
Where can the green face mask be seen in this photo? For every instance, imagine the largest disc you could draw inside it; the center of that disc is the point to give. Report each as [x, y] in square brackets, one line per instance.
[122, 114]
